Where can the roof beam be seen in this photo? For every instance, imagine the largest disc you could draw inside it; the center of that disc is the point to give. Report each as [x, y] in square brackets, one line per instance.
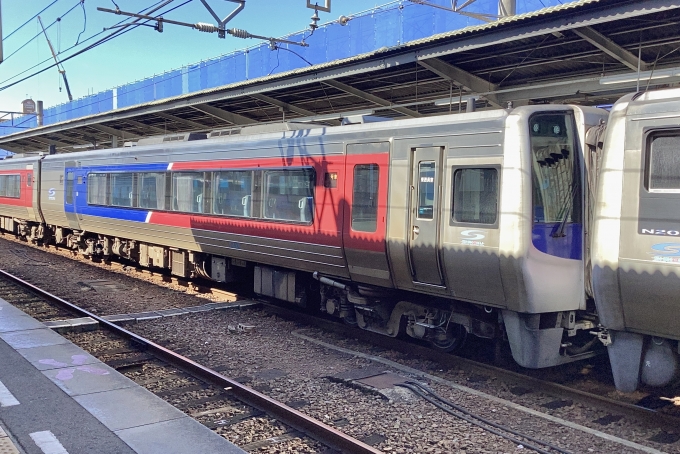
[176, 119]
[610, 48]
[461, 77]
[287, 106]
[69, 138]
[141, 125]
[369, 97]
[282, 104]
[47, 141]
[109, 130]
[14, 148]
[221, 114]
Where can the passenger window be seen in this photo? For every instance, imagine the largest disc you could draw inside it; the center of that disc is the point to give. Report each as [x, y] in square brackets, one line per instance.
[289, 195]
[29, 179]
[475, 195]
[151, 190]
[426, 175]
[365, 198]
[97, 189]
[233, 193]
[187, 192]
[121, 189]
[69, 188]
[664, 162]
[10, 186]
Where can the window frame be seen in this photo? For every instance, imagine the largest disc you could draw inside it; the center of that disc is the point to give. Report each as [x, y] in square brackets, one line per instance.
[106, 185]
[6, 177]
[215, 191]
[264, 197]
[452, 218]
[377, 196]
[649, 136]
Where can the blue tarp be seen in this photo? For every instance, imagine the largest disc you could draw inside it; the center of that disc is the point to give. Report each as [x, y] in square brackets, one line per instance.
[387, 26]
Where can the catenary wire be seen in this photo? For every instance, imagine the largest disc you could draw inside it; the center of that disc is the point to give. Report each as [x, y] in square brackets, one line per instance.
[91, 46]
[29, 20]
[75, 45]
[82, 4]
[58, 19]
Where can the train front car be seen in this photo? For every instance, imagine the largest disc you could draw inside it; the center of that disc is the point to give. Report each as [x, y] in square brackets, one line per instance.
[636, 240]
[485, 234]
[19, 197]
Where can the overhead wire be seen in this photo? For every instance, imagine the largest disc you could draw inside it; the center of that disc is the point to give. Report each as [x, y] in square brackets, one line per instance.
[66, 50]
[29, 20]
[58, 19]
[82, 4]
[112, 35]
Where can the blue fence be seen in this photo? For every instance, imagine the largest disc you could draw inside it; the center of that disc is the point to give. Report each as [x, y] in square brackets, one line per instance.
[386, 26]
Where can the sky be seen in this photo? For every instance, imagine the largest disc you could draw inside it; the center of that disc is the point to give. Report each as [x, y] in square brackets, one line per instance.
[143, 52]
[140, 53]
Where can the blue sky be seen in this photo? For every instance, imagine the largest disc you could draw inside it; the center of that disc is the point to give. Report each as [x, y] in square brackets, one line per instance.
[144, 52]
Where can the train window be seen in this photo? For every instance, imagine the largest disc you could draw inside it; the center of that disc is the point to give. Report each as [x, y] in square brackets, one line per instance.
[29, 179]
[664, 162]
[97, 189]
[426, 178]
[555, 173]
[120, 185]
[187, 191]
[10, 186]
[475, 195]
[233, 193]
[289, 195]
[365, 198]
[151, 190]
[69, 188]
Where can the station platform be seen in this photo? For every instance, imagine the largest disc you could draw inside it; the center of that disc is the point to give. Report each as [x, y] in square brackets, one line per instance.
[55, 398]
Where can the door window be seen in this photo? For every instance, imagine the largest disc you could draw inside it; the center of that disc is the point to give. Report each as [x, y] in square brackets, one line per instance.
[426, 187]
[365, 198]
[69, 187]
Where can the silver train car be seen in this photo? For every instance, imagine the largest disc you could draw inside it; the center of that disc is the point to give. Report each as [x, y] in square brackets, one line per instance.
[437, 228]
[636, 238]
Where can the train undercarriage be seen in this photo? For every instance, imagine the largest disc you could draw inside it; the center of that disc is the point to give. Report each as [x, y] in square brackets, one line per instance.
[536, 340]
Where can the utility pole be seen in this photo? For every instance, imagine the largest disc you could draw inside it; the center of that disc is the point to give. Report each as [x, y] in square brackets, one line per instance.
[60, 67]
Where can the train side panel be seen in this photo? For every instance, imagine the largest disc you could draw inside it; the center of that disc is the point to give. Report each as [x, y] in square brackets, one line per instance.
[19, 189]
[636, 276]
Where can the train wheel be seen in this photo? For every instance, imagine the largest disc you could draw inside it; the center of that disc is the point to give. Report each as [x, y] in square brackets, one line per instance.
[451, 339]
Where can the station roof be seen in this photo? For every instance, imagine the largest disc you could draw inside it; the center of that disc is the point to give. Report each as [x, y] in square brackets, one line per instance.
[588, 52]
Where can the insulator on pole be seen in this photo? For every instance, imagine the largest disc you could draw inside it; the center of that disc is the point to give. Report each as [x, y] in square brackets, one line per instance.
[204, 27]
[239, 33]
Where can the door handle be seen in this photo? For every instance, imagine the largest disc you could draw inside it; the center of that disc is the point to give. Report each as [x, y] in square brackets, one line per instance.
[416, 231]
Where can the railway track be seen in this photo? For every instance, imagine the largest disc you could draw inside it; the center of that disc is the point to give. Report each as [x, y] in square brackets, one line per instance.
[127, 351]
[520, 381]
[669, 422]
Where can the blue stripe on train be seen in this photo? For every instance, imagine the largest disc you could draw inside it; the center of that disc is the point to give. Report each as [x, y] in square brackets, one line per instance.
[124, 214]
[569, 246]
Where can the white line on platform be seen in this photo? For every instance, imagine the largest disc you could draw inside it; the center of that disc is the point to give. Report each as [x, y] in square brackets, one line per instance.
[48, 443]
[6, 397]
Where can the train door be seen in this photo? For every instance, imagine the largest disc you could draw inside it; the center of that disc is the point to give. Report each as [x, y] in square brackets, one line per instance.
[70, 195]
[424, 219]
[366, 212]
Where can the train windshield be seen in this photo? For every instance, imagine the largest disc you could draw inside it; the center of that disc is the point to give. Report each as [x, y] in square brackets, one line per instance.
[556, 181]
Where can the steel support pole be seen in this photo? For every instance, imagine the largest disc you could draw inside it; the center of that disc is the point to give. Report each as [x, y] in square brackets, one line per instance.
[507, 8]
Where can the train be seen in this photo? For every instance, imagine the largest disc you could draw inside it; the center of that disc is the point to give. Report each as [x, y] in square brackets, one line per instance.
[551, 228]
